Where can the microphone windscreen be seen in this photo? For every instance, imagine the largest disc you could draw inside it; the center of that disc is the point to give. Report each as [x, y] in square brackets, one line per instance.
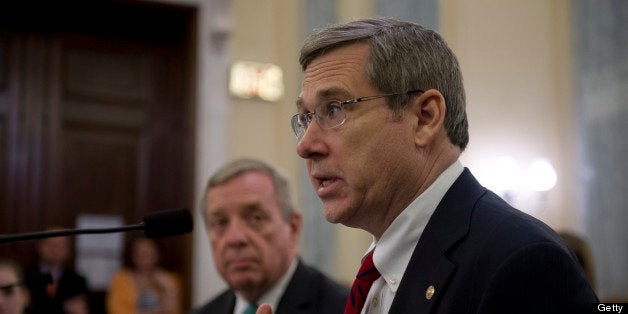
[168, 223]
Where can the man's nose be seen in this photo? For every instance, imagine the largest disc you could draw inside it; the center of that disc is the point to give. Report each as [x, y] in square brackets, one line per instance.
[236, 233]
[310, 145]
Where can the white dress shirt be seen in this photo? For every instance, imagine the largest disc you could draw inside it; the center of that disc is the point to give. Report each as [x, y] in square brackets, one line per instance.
[272, 297]
[394, 249]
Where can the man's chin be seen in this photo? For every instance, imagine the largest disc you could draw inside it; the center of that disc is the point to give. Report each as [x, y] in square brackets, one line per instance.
[244, 282]
[333, 213]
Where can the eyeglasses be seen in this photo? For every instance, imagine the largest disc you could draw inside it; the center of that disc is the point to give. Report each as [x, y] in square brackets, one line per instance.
[331, 114]
[9, 290]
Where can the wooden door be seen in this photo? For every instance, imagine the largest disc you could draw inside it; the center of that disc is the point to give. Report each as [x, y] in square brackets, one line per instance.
[95, 118]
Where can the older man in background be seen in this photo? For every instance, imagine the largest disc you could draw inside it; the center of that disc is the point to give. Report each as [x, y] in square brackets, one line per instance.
[254, 231]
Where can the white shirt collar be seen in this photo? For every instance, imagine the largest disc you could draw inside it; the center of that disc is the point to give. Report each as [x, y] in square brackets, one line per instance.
[271, 297]
[394, 249]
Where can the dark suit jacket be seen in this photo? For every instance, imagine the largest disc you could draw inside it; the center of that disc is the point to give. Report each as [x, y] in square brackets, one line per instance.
[483, 256]
[70, 285]
[309, 291]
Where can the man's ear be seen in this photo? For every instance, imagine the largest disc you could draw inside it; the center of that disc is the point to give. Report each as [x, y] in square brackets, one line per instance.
[296, 223]
[429, 108]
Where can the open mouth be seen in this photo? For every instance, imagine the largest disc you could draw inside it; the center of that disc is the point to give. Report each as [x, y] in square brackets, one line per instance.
[325, 185]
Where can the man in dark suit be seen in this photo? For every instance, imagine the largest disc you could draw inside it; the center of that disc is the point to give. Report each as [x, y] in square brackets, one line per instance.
[253, 230]
[55, 287]
[381, 124]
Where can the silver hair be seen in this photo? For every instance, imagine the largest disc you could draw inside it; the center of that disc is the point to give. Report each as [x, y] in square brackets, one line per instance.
[404, 56]
[241, 166]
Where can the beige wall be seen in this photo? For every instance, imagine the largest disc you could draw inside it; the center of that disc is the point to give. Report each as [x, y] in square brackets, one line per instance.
[514, 55]
[516, 61]
[266, 31]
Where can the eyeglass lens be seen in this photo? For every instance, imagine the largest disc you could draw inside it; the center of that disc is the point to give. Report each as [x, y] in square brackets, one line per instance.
[9, 290]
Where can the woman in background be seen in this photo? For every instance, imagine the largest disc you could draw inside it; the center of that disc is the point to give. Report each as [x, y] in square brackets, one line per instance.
[14, 295]
[143, 287]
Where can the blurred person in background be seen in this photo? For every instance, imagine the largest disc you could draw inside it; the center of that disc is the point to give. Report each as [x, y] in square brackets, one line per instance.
[143, 286]
[254, 231]
[53, 284]
[14, 295]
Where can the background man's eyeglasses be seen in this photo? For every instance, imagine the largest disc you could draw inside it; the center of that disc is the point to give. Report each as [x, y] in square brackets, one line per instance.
[9, 290]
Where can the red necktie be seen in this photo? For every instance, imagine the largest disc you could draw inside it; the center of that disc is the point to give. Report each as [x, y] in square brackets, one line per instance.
[362, 284]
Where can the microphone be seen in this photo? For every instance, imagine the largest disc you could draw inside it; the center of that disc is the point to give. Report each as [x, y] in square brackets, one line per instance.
[167, 223]
[160, 224]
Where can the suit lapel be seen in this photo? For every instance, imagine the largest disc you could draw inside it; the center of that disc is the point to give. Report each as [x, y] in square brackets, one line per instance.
[226, 305]
[427, 272]
[297, 298]
[229, 306]
[429, 268]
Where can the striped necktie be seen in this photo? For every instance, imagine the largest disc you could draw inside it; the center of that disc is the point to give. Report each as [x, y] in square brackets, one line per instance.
[362, 284]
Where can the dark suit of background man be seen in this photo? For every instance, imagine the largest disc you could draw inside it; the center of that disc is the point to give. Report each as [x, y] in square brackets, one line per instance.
[56, 288]
[381, 124]
[254, 230]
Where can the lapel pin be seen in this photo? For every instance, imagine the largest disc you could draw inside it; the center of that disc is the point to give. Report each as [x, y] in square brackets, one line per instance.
[429, 292]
